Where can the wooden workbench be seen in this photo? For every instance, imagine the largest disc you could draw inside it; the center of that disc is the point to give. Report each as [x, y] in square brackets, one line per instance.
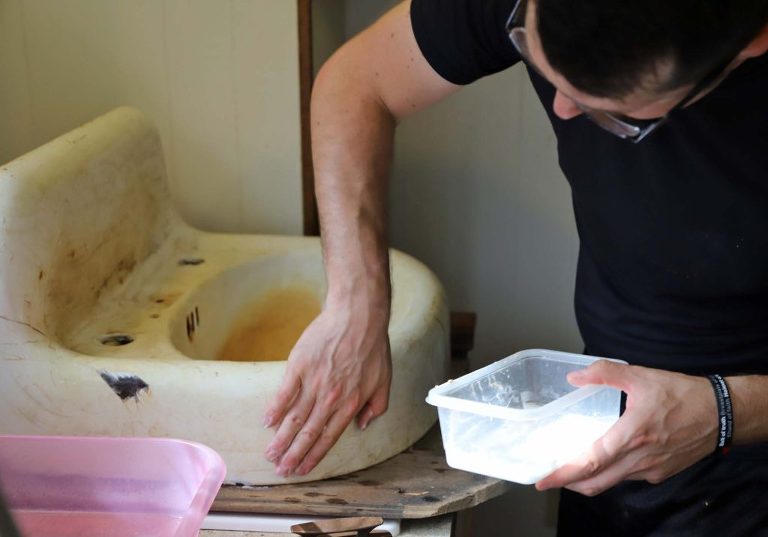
[414, 484]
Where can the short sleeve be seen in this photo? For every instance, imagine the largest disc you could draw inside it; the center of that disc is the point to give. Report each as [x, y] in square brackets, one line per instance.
[464, 40]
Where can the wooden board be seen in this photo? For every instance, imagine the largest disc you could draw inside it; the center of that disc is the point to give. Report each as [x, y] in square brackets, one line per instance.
[414, 484]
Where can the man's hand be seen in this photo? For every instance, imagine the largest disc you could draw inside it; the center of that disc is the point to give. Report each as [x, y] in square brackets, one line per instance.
[669, 424]
[340, 368]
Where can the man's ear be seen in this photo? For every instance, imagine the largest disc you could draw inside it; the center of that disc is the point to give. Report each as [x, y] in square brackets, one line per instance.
[757, 47]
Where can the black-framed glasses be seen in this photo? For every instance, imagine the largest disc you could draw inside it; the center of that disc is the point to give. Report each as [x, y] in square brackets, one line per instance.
[634, 130]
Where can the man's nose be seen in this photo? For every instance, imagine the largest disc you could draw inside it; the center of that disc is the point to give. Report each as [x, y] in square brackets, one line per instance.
[564, 107]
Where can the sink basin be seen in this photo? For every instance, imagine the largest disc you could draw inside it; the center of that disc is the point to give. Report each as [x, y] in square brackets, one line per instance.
[119, 319]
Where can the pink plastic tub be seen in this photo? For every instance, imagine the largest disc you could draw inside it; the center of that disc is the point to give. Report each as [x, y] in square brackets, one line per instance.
[108, 487]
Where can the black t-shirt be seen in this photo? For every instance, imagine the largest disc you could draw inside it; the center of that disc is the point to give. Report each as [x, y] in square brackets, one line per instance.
[673, 261]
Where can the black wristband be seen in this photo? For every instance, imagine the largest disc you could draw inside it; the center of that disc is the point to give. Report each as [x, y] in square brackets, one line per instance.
[724, 414]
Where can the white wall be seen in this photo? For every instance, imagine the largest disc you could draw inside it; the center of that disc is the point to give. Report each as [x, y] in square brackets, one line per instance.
[478, 196]
[218, 77]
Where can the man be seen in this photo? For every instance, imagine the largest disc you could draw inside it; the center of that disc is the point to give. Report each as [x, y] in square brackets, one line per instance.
[660, 112]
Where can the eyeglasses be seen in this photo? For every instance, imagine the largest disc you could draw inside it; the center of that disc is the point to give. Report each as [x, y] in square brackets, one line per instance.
[621, 126]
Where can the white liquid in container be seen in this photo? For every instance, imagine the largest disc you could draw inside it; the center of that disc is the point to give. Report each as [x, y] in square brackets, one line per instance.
[525, 452]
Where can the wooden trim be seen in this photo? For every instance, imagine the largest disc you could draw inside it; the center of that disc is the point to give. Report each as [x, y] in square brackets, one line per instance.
[462, 333]
[306, 76]
[462, 341]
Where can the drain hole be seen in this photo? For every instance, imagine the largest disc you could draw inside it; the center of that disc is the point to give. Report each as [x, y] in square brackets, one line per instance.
[116, 340]
[191, 261]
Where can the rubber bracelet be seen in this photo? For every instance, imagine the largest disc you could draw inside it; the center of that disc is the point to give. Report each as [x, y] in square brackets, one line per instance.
[724, 414]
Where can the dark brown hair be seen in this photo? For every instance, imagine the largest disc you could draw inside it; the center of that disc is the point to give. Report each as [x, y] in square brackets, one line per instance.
[609, 48]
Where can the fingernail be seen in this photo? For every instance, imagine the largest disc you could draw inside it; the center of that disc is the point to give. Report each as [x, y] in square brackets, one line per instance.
[271, 455]
[267, 421]
[366, 420]
[575, 375]
[301, 470]
[284, 471]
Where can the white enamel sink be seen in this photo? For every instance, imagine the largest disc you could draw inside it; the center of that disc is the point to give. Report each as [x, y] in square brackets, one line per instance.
[118, 319]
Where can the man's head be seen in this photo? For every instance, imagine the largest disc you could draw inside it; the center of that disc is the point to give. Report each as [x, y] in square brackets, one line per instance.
[639, 58]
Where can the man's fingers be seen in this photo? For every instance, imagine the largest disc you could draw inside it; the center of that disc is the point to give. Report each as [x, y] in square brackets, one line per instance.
[328, 437]
[365, 416]
[327, 409]
[306, 437]
[608, 477]
[291, 424]
[578, 470]
[286, 394]
[600, 457]
[375, 407]
[635, 466]
[602, 372]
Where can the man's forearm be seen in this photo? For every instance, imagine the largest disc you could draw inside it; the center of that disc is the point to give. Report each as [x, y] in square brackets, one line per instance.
[750, 408]
[352, 138]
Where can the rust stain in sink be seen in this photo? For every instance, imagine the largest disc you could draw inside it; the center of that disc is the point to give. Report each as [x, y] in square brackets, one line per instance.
[268, 329]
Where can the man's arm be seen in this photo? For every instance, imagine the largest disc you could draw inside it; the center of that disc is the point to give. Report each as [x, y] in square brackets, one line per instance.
[750, 408]
[340, 367]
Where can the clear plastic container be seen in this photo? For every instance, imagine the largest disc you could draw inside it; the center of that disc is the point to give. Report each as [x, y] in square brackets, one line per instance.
[518, 419]
[108, 487]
